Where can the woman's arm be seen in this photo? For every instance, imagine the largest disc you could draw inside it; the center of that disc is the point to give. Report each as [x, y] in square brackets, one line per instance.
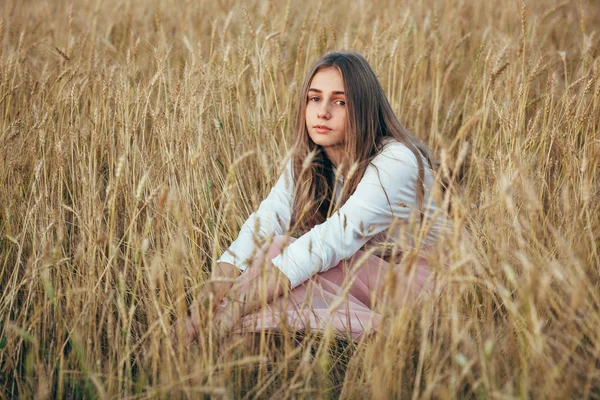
[386, 193]
[271, 217]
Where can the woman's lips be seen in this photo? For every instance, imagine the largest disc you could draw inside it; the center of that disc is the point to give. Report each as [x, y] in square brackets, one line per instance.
[321, 129]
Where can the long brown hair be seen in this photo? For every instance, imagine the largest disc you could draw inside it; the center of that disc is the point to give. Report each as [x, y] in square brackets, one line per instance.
[370, 120]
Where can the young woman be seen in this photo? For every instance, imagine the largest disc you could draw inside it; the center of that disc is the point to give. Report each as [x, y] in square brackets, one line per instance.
[340, 220]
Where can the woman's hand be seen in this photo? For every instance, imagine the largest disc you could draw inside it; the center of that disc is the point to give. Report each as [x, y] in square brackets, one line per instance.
[213, 292]
[258, 286]
[247, 295]
[184, 330]
[224, 319]
[207, 303]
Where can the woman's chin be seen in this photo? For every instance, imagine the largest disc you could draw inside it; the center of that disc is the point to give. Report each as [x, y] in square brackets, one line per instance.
[325, 141]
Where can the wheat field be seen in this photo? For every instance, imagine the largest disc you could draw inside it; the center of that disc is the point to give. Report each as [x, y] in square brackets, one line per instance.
[137, 136]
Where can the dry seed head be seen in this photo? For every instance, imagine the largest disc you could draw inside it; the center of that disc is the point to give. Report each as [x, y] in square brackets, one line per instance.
[462, 154]
[162, 201]
[436, 26]
[535, 71]
[42, 137]
[553, 10]
[154, 272]
[351, 171]
[308, 161]
[533, 123]
[38, 169]
[62, 54]
[70, 17]
[501, 56]
[588, 87]
[530, 195]
[120, 166]
[140, 187]
[59, 149]
[394, 47]
[248, 22]
[333, 34]
[91, 58]
[444, 163]
[227, 22]
[466, 128]
[523, 20]
[497, 73]
[145, 245]
[597, 90]
[577, 82]
[157, 22]
[506, 191]
[549, 94]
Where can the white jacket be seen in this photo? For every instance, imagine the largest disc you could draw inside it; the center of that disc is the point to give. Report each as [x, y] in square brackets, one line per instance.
[386, 192]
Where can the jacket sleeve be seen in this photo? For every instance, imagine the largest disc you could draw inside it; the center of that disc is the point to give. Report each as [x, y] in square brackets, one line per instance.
[271, 217]
[386, 191]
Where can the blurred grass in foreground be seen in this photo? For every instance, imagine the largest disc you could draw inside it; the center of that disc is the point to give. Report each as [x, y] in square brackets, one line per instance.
[136, 137]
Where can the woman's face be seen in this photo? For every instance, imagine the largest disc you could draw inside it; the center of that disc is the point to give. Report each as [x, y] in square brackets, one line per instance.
[326, 109]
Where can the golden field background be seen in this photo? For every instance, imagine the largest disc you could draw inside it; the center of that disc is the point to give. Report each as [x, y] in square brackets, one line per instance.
[137, 136]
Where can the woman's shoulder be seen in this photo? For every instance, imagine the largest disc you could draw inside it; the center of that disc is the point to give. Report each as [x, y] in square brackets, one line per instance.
[285, 181]
[395, 154]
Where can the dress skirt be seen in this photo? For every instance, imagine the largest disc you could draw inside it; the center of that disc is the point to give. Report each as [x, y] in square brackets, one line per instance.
[350, 296]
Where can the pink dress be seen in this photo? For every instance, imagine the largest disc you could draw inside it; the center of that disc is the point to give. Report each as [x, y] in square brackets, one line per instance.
[348, 296]
[329, 291]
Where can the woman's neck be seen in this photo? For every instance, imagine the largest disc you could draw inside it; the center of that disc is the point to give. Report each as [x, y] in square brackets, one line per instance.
[336, 155]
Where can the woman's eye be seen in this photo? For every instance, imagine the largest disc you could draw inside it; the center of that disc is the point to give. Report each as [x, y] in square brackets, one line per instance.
[340, 102]
[313, 98]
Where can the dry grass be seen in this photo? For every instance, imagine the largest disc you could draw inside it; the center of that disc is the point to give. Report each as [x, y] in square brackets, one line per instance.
[137, 136]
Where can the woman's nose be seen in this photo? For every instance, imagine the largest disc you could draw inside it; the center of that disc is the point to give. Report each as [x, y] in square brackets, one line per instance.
[323, 111]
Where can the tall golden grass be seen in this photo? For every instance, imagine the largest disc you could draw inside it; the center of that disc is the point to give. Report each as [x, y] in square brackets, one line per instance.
[137, 136]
